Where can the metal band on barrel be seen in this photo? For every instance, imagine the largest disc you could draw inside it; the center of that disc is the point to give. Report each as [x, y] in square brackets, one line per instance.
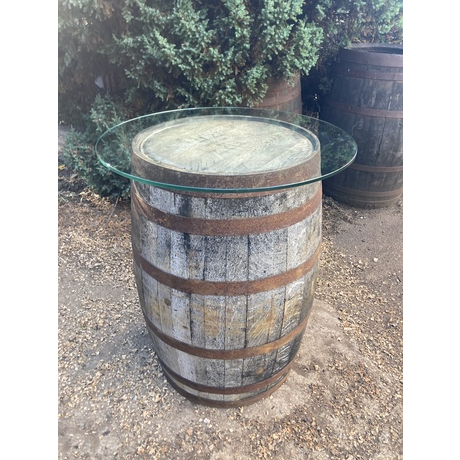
[227, 354]
[369, 75]
[226, 288]
[225, 227]
[376, 169]
[227, 390]
[365, 193]
[366, 111]
[220, 403]
[391, 57]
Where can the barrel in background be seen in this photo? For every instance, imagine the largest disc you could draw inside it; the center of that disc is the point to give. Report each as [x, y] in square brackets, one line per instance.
[283, 95]
[366, 100]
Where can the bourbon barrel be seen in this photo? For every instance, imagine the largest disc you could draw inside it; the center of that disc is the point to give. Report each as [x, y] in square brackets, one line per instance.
[225, 280]
[283, 95]
[366, 100]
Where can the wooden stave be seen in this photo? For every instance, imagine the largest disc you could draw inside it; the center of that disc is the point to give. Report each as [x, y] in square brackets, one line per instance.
[288, 350]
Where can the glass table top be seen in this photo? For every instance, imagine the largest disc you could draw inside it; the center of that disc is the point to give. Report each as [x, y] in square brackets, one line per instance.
[225, 149]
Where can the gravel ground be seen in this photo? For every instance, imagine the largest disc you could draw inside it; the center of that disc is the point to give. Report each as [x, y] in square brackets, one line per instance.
[342, 400]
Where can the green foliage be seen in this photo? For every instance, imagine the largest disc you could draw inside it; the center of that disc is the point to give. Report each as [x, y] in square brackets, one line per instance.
[208, 53]
[85, 28]
[155, 55]
[166, 55]
[344, 22]
[356, 21]
[78, 151]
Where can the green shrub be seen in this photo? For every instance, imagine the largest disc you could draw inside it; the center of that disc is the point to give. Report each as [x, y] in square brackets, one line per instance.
[85, 29]
[79, 154]
[208, 53]
[156, 55]
[344, 22]
[187, 53]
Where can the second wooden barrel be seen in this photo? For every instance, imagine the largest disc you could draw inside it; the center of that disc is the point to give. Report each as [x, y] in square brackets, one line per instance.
[283, 95]
[226, 280]
[366, 100]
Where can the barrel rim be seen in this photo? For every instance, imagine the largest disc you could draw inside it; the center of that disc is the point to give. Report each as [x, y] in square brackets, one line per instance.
[298, 172]
[371, 53]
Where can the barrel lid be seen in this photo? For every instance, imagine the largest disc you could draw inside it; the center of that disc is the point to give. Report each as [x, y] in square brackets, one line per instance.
[226, 151]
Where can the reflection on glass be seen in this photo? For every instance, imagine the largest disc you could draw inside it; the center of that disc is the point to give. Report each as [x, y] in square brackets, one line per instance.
[337, 148]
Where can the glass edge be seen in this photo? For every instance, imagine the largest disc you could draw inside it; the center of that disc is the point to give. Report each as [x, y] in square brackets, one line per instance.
[220, 190]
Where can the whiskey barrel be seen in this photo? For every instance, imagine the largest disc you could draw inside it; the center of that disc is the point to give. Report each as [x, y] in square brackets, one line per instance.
[366, 100]
[283, 95]
[225, 280]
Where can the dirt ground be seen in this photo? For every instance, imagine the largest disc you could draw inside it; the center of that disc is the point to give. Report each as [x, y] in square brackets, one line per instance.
[342, 400]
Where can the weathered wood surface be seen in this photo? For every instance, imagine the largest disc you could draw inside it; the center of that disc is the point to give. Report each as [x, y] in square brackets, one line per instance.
[208, 299]
[223, 145]
[223, 151]
[226, 281]
[283, 95]
[366, 100]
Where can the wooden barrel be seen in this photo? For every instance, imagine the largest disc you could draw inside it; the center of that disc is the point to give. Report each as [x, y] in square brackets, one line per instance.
[366, 100]
[225, 280]
[283, 95]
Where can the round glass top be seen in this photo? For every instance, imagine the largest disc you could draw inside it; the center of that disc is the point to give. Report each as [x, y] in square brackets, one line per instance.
[225, 149]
